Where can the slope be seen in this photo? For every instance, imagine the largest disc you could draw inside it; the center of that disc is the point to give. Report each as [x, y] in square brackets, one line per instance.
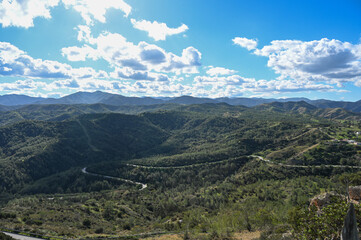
[34, 149]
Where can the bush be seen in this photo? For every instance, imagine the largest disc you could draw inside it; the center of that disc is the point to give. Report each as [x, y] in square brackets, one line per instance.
[7, 215]
[87, 223]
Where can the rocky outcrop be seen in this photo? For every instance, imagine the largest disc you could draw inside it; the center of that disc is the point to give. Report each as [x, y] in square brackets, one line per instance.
[324, 199]
[355, 193]
[349, 230]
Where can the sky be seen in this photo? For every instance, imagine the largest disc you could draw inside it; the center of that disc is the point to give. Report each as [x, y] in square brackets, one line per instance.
[164, 48]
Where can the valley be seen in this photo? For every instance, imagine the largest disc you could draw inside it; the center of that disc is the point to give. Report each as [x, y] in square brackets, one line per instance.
[180, 120]
[210, 170]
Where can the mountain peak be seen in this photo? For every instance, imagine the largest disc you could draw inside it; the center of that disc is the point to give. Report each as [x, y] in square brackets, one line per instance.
[119, 100]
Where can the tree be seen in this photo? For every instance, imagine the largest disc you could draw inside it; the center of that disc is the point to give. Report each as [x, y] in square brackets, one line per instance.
[87, 223]
[311, 223]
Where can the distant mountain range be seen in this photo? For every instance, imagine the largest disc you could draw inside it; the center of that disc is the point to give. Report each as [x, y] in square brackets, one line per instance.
[9, 102]
[14, 99]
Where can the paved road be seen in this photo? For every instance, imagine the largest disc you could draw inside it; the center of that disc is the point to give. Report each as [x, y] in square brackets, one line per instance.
[21, 237]
[178, 167]
[302, 166]
[116, 178]
[150, 167]
[209, 163]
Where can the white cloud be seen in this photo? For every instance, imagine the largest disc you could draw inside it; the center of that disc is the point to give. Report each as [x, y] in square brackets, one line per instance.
[187, 63]
[235, 85]
[21, 85]
[84, 33]
[79, 53]
[118, 52]
[215, 71]
[281, 86]
[16, 63]
[130, 74]
[79, 85]
[129, 88]
[21, 13]
[358, 83]
[219, 81]
[91, 10]
[203, 86]
[158, 31]
[322, 60]
[250, 44]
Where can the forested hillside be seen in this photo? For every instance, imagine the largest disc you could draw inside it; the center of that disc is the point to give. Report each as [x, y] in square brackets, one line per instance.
[210, 169]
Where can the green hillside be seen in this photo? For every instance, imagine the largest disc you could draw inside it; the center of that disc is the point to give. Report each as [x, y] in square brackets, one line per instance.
[174, 167]
[33, 149]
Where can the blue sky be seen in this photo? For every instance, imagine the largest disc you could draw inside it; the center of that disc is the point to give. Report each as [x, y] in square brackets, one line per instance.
[201, 48]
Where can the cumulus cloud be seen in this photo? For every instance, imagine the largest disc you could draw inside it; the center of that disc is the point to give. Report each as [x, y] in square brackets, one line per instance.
[152, 54]
[79, 85]
[158, 31]
[325, 60]
[282, 86]
[21, 13]
[235, 85]
[118, 52]
[21, 85]
[147, 88]
[250, 44]
[91, 10]
[219, 81]
[79, 53]
[129, 88]
[203, 86]
[128, 73]
[187, 63]
[215, 71]
[16, 63]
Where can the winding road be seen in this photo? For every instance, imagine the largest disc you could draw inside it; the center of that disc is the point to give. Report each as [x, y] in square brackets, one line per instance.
[20, 237]
[84, 170]
[178, 167]
[143, 185]
[301, 166]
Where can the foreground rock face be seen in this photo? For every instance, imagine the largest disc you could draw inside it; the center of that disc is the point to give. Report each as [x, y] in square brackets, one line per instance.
[349, 230]
[355, 193]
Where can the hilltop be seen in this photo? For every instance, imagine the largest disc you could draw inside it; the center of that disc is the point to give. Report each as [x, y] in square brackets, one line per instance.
[119, 100]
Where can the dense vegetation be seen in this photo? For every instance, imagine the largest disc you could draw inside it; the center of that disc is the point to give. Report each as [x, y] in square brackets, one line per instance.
[198, 161]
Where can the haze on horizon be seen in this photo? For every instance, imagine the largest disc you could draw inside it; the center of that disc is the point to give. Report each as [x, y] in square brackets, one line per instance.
[277, 49]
